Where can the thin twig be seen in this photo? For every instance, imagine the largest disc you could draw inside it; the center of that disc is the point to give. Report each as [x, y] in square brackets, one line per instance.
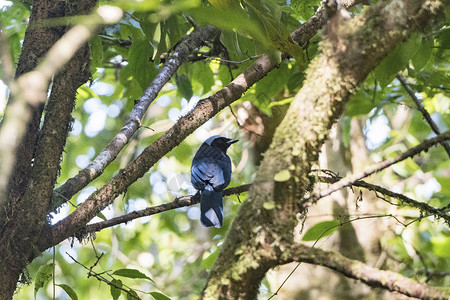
[422, 109]
[422, 206]
[99, 276]
[227, 60]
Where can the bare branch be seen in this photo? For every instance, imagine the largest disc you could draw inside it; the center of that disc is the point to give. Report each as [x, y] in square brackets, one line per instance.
[373, 277]
[422, 109]
[97, 166]
[422, 206]
[178, 202]
[351, 179]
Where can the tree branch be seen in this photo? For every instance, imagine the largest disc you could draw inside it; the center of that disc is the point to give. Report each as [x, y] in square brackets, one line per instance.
[373, 277]
[98, 165]
[422, 109]
[178, 202]
[351, 179]
[422, 206]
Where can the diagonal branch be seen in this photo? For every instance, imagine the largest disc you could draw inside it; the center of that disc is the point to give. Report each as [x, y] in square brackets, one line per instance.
[371, 276]
[98, 165]
[351, 179]
[422, 109]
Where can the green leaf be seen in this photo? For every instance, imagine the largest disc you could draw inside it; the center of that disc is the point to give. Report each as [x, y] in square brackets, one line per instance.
[231, 19]
[184, 86]
[321, 230]
[43, 275]
[423, 54]
[360, 104]
[208, 262]
[69, 291]
[115, 292]
[159, 296]
[139, 55]
[203, 74]
[397, 60]
[131, 273]
[133, 295]
[282, 176]
[441, 246]
[101, 216]
[96, 53]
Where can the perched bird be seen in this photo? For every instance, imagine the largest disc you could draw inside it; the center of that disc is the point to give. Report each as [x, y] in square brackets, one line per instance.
[210, 174]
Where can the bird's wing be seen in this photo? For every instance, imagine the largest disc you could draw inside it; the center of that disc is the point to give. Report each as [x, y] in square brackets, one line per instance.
[207, 171]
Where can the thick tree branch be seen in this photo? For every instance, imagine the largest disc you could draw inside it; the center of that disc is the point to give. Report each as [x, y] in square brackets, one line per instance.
[177, 203]
[97, 166]
[351, 179]
[38, 40]
[422, 109]
[373, 277]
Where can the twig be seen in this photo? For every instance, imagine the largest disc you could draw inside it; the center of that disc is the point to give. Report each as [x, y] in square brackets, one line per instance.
[176, 203]
[422, 109]
[99, 276]
[243, 125]
[227, 60]
[351, 179]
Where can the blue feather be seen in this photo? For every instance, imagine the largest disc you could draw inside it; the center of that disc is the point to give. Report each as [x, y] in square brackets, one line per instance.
[210, 174]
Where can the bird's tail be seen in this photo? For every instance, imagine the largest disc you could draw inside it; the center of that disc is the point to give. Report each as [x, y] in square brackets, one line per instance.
[211, 208]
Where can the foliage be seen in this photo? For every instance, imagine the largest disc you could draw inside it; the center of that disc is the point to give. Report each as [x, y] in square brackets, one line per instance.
[172, 247]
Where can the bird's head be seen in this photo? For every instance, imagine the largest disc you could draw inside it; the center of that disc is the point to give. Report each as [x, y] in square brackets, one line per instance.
[220, 142]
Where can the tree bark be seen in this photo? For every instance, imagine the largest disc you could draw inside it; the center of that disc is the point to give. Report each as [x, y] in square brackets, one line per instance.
[31, 185]
[264, 227]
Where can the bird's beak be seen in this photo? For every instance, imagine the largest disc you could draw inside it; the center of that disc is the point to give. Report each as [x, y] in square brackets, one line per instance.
[231, 141]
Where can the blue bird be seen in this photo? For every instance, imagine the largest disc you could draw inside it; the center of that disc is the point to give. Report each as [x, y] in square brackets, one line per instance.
[210, 174]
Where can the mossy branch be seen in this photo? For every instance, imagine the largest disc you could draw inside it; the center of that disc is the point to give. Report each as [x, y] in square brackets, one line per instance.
[388, 280]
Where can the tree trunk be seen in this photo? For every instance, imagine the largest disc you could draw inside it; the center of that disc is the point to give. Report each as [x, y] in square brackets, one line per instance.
[31, 183]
